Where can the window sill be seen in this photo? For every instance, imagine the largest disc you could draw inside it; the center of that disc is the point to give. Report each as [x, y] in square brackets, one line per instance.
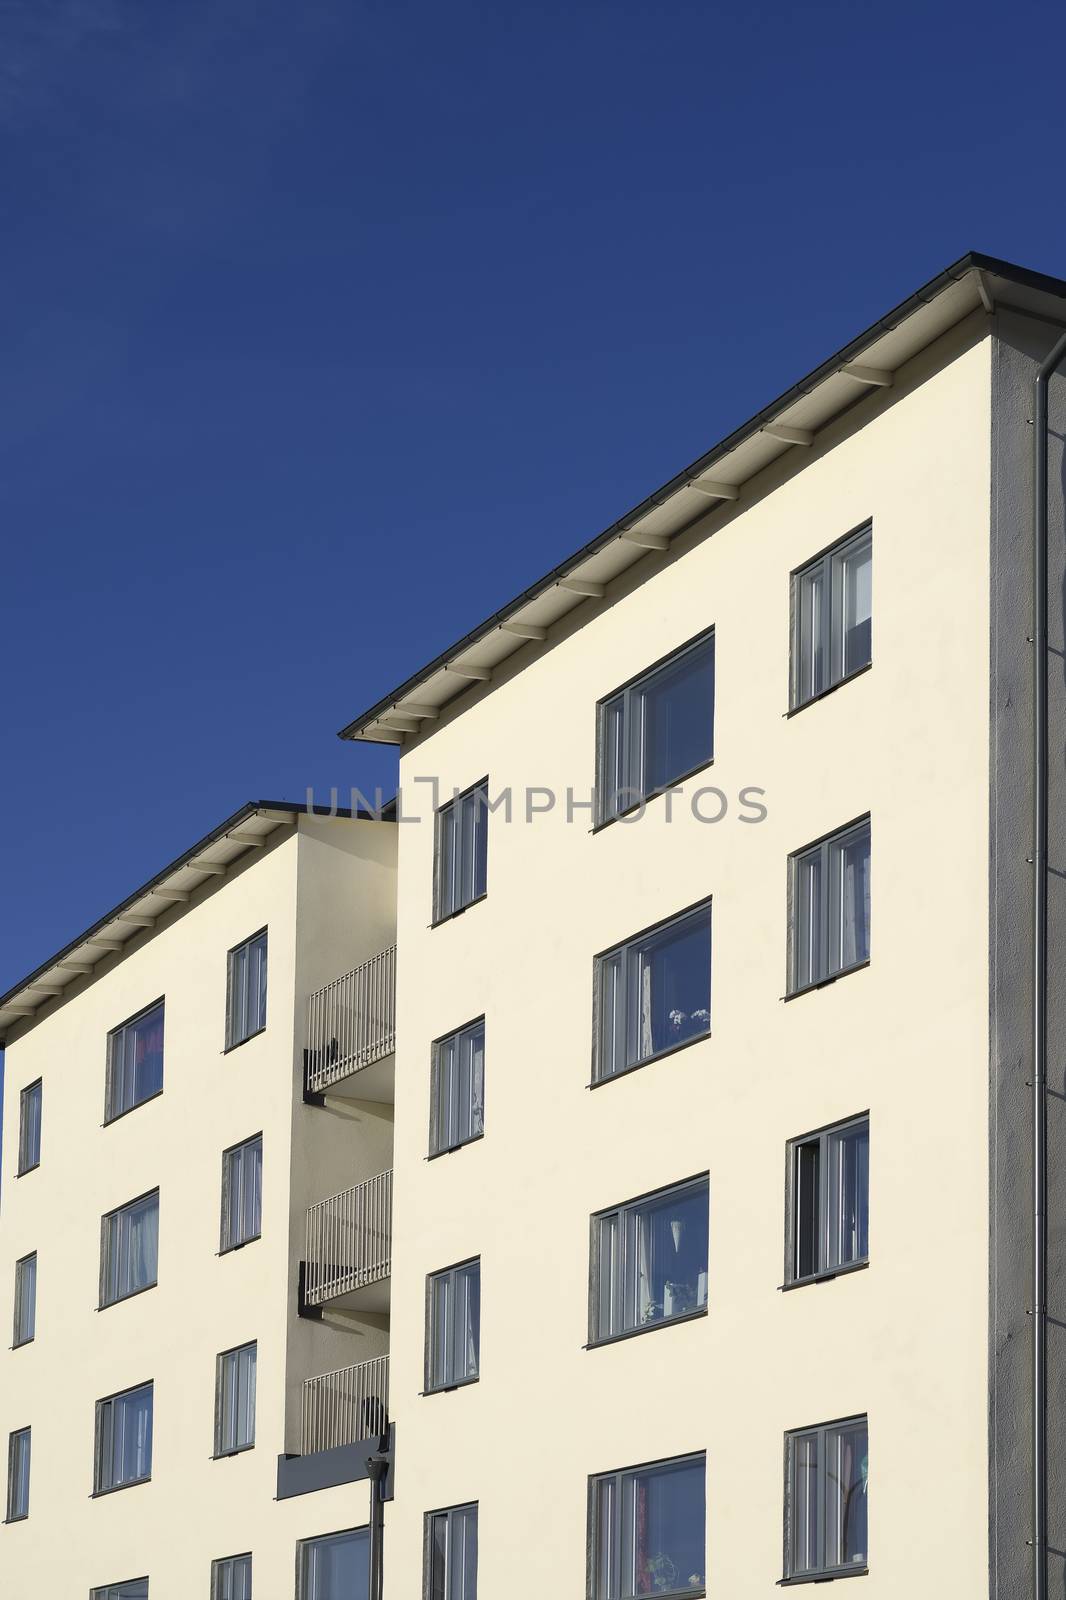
[20, 1344]
[105, 1305]
[229, 1049]
[824, 1277]
[450, 916]
[8, 1521]
[794, 711]
[117, 1488]
[648, 1061]
[107, 1122]
[649, 1327]
[446, 1388]
[450, 1149]
[24, 1172]
[238, 1450]
[653, 794]
[241, 1244]
[823, 983]
[824, 1577]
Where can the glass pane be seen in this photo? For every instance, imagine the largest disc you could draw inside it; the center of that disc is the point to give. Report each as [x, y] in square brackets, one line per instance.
[850, 868]
[462, 1563]
[856, 600]
[676, 718]
[467, 1331]
[259, 995]
[438, 1557]
[847, 1481]
[25, 1300]
[803, 1502]
[481, 842]
[663, 1534]
[612, 1052]
[665, 1247]
[475, 1048]
[612, 758]
[146, 1044]
[806, 1198]
[440, 1306]
[446, 897]
[18, 1489]
[246, 1365]
[238, 998]
[669, 986]
[609, 1311]
[132, 1442]
[251, 1190]
[810, 599]
[30, 1127]
[605, 1512]
[807, 909]
[336, 1568]
[849, 1195]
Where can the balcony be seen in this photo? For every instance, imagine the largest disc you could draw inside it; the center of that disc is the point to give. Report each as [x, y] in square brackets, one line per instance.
[346, 1406]
[348, 1257]
[351, 1032]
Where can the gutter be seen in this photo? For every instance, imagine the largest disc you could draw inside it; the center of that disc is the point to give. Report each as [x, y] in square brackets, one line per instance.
[1050, 365]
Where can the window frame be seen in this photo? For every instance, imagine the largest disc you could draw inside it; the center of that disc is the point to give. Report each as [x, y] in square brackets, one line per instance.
[432, 1278]
[23, 1166]
[599, 1011]
[449, 1513]
[234, 1353]
[111, 1115]
[436, 1148]
[829, 561]
[794, 1279]
[303, 1590]
[601, 817]
[595, 1338]
[227, 1212]
[112, 1591]
[823, 847]
[20, 1301]
[217, 1572]
[105, 1253]
[232, 1043]
[99, 1451]
[14, 1442]
[820, 1573]
[456, 910]
[616, 1477]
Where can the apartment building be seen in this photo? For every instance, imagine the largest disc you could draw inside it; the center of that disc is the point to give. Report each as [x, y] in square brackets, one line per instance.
[703, 1183]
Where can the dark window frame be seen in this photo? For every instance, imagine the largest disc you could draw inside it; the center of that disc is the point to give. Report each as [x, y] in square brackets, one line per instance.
[17, 1342]
[234, 1353]
[599, 1011]
[616, 1476]
[604, 815]
[456, 908]
[217, 1571]
[227, 1212]
[824, 848]
[436, 1146]
[105, 1256]
[828, 561]
[450, 1273]
[24, 1166]
[100, 1450]
[110, 1114]
[14, 1440]
[701, 1180]
[107, 1590]
[232, 1043]
[820, 1573]
[794, 1279]
[303, 1591]
[448, 1513]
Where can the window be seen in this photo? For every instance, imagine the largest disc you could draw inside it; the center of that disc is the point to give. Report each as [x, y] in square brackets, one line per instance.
[135, 1062]
[454, 1337]
[242, 1193]
[129, 1249]
[25, 1299]
[124, 1439]
[831, 617]
[235, 1400]
[653, 993]
[647, 1534]
[133, 1589]
[30, 1128]
[656, 730]
[458, 1108]
[829, 929]
[829, 1200]
[451, 1554]
[231, 1579]
[462, 851]
[246, 990]
[334, 1567]
[649, 1261]
[18, 1475]
[826, 1487]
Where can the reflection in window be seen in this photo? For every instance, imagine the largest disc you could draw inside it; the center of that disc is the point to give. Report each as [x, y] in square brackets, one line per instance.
[135, 1062]
[832, 609]
[454, 1340]
[829, 928]
[827, 1498]
[657, 730]
[335, 1567]
[830, 1200]
[124, 1439]
[462, 852]
[654, 992]
[130, 1250]
[451, 1554]
[246, 990]
[650, 1261]
[458, 1088]
[648, 1532]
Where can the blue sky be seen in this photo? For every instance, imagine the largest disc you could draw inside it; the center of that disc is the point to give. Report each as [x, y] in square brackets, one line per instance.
[329, 326]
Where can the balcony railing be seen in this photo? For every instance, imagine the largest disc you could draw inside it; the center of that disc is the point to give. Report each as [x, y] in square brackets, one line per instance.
[349, 1240]
[351, 1022]
[346, 1406]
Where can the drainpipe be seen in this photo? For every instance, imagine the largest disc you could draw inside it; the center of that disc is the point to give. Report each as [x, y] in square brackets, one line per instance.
[1040, 995]
[376, 1465]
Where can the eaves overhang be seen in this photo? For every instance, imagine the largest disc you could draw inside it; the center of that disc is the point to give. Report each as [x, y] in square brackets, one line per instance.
[715, 480]
[208, 860]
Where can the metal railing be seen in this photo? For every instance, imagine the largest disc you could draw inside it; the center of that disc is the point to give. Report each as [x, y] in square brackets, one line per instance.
[345, 1406]
[349, 1240]
[351, 1022]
